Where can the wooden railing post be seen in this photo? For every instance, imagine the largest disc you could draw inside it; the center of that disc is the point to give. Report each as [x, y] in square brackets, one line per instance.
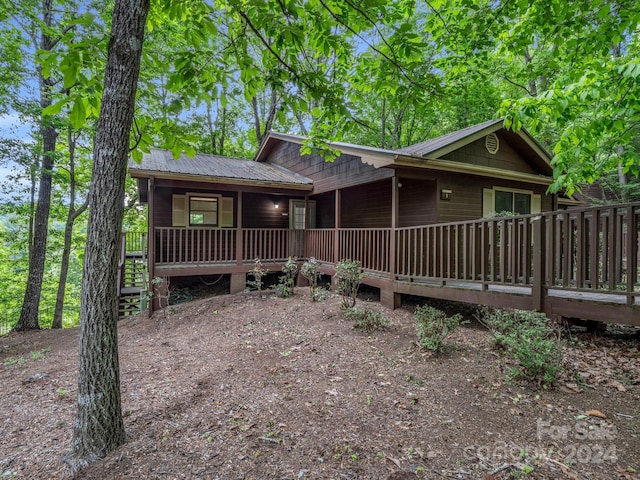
[632, 253]
[336, 232]
[538, 287]
[394, 227]
[239, 234]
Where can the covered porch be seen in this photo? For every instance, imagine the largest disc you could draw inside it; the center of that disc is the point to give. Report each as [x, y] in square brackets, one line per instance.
[579, 263]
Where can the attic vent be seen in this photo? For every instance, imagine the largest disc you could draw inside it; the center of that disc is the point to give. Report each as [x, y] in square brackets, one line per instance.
[492, 143]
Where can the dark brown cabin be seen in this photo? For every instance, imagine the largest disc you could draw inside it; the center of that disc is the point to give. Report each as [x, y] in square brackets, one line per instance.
[413, 216]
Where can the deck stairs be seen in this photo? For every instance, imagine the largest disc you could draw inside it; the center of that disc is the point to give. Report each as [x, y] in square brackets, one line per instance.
[133, 275]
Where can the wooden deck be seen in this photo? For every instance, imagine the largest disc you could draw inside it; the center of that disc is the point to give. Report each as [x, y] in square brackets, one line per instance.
[579, 263]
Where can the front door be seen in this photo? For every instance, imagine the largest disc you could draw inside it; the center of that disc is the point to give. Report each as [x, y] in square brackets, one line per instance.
[298, 223]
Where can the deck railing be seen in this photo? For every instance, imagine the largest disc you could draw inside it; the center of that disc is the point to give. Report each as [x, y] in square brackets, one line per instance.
[594, 249]
[369, 245]
[320, 244]
[590, 249]
[176, 246]
[495, 250]
[272, 244]
[195, 245]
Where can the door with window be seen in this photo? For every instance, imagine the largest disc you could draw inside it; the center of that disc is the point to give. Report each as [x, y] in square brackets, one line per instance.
[298, 222]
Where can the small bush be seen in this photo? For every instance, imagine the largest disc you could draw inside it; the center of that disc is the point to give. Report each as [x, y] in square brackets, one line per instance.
[529, 340]
[258, 273]
[348, 276]
[311, 271]
[433, 326]
[366, 319]
[287, 281]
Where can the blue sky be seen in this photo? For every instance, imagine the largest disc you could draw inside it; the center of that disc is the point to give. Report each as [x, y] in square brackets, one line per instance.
[11, 127]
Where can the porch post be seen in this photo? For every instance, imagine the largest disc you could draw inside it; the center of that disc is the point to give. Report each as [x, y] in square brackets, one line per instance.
[538, 287]
[388, 296]
[336, 232]
[151, 239]
[239, 279]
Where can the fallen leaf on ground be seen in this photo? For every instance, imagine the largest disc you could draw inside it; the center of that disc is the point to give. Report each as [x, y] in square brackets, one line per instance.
[595, 413]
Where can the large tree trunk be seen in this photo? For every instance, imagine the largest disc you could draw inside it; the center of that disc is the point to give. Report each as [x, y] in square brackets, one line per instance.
[68, 234]
[99, 427]
[38, 250]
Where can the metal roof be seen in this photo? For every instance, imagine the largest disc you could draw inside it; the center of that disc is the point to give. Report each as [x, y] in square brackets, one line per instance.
[425, 148]
[214, 167]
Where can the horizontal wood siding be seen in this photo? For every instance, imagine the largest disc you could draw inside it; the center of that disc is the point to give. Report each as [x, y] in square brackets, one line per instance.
[366, 206]
[325, 210]
[163, 198]
[258, 211]
[346, 170]
[466, 196]
[507, 158]
[417, 202]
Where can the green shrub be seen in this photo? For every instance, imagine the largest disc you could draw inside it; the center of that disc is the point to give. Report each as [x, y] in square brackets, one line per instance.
[287, 281]
[366, 319]
[258, 273]
[433, 326]
[348, 276]
[529, 340]
[311, 271]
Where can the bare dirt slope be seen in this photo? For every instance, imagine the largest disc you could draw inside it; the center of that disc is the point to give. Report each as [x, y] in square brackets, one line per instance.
[241, 387]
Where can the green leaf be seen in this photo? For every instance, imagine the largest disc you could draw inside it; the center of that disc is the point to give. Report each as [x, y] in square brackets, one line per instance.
[55, 108]
[78, 113]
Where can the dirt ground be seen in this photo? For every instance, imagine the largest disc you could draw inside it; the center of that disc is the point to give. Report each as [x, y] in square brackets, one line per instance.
[241, 387]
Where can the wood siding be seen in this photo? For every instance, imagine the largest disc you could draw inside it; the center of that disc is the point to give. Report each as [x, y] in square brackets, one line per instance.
[325, 210]
[466, 195]
[163, 197]
[344, 171]
[418, 202]
[259, 211]
[366, 206]
[507, 158]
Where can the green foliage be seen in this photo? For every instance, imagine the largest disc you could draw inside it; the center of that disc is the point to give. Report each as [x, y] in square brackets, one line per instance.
[311, 271]
[433, 326]
[348, 277]
[529, 340]
[257, 273]
[287, 281]
[366, 319]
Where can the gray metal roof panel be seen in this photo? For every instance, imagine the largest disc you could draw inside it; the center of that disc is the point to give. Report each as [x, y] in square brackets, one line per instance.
[216, 166]
[425, 148]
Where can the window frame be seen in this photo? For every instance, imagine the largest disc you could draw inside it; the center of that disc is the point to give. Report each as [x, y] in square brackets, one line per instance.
[206, 198]
[181, 210]
[535, 200]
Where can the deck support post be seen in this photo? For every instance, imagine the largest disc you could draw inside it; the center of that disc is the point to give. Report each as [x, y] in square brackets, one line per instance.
[238, 282]
[538, 284]
[389, 298]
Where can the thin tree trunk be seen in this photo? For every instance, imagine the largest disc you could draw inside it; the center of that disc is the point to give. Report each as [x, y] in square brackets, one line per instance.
[212, 134]
[68, 234]
[383, 123]
[38, 251]
[99, 427]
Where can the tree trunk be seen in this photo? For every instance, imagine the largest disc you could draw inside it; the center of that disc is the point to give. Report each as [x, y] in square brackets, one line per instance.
[68, 235]
[99, 427]
[38, 250]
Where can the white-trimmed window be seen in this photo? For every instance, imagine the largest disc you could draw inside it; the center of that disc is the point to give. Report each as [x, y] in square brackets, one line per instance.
[520, 202]
[202, 210]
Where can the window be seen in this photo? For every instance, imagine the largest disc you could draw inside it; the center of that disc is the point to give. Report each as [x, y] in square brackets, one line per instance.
[203, 211]
[520, 202]
[193, 210]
